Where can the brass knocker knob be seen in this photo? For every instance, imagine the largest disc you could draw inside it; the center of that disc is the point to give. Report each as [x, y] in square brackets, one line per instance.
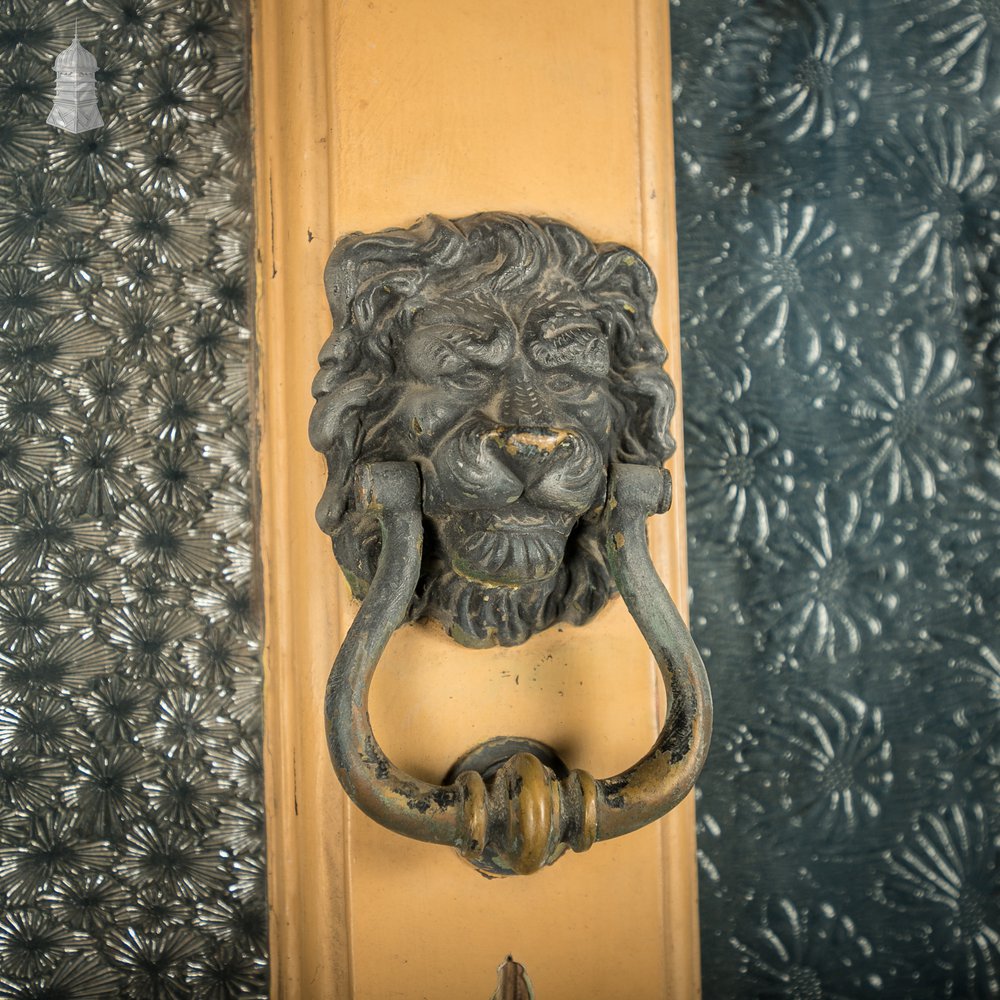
[498, 380]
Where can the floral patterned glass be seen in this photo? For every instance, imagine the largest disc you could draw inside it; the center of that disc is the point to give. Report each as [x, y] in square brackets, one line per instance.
[131, 820]
[839, 213]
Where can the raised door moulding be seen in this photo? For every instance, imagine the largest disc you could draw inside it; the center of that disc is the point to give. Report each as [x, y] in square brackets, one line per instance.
[356, 128]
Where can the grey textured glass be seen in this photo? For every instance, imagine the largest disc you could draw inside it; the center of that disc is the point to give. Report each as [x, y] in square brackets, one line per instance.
[839, 217]
[131, 817]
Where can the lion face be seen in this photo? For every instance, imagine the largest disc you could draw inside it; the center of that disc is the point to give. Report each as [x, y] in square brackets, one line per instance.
[512, 361]
[506, 406]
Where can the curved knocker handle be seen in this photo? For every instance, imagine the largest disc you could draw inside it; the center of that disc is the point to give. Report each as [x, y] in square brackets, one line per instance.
[523, 816]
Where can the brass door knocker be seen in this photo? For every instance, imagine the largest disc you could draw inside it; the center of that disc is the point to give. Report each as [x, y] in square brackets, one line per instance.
[493, 409]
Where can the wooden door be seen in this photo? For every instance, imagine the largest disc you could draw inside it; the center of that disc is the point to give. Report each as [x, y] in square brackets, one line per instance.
[368, 114]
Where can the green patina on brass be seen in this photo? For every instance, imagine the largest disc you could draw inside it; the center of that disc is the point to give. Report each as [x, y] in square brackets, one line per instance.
[494, 413]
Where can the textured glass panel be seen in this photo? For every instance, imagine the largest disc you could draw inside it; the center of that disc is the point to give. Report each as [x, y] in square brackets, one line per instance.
[839, 213]
[131, 840]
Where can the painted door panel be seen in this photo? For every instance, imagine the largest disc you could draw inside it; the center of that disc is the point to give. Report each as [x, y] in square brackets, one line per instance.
[370, 115]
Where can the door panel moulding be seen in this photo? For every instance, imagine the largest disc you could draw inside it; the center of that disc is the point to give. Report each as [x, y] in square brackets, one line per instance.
[369, 115]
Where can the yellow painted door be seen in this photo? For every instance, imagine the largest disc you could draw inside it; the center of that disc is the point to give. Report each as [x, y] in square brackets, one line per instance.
[370, 114]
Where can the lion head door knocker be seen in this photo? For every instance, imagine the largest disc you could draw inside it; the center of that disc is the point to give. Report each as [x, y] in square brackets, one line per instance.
[493, 409]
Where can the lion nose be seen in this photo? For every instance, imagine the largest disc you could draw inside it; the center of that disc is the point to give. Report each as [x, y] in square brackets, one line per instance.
[530, 442]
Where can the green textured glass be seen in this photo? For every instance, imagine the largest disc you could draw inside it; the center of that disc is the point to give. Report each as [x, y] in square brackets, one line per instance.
[839, 215]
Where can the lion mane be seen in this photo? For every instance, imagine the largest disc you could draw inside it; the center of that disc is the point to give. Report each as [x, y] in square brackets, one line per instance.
[371, 281]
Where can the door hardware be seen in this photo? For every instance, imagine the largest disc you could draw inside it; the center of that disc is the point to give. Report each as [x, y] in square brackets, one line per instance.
[513, 982]
[493, 410]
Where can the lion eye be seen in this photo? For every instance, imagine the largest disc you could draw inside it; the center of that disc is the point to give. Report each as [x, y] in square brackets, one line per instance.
[467, 379]
[563, 382]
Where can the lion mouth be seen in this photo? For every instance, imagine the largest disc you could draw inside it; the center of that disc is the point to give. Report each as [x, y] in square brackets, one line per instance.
[513, 550]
